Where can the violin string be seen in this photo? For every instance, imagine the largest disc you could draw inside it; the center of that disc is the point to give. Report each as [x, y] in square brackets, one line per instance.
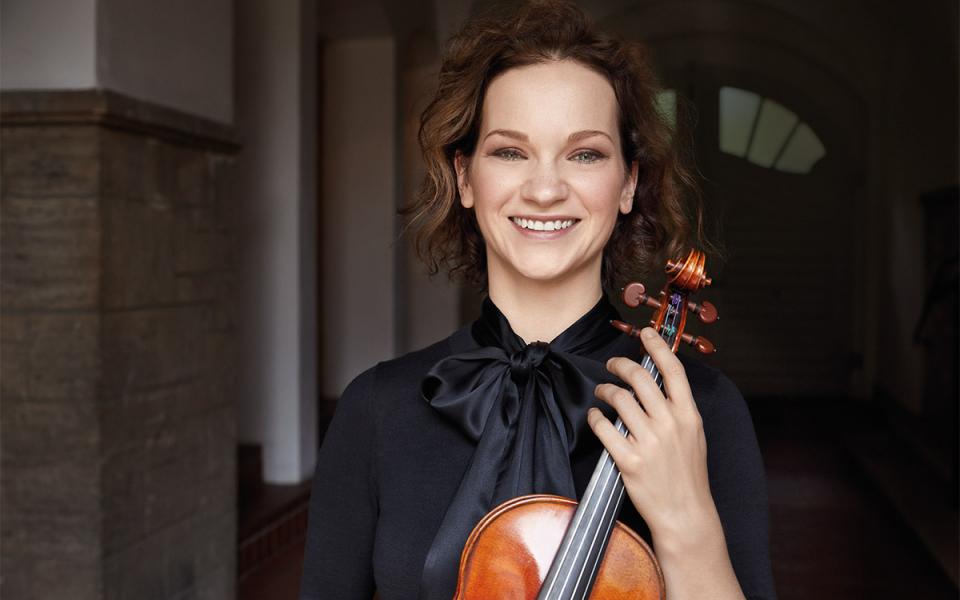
[588, 495]
[606, 470]
[610, 523]
[595, 505]
[596, 536]
[648, 364]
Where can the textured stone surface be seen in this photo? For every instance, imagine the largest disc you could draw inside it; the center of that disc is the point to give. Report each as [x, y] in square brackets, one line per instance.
[116, 360]
[50, 162]
[50, 252]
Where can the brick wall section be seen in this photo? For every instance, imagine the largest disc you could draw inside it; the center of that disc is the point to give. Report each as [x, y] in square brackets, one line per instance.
[118, 347]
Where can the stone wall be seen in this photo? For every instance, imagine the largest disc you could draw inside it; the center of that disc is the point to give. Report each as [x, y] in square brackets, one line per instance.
[118, 336]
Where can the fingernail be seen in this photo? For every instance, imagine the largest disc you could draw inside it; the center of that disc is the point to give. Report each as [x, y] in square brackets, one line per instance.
[648, 333]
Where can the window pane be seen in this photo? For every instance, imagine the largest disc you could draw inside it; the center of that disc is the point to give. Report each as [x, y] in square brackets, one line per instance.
[774, 126]
[737, 110]
[803, 151]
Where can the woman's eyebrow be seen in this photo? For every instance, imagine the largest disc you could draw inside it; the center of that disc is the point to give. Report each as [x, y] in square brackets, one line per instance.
[573, 137]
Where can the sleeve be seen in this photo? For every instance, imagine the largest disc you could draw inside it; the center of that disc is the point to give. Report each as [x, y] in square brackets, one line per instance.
[343, 502]
[738, 485]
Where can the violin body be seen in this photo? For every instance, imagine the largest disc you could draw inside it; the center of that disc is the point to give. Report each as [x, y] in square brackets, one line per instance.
[511, 549]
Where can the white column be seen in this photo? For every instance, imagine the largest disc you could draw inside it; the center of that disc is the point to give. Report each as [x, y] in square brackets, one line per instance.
[276, 200]
[359, 204]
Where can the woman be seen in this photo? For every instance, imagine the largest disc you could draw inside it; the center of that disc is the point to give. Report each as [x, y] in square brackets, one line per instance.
[551, 175]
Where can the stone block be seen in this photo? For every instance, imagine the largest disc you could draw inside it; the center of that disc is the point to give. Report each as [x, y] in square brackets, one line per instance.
[128, 166]
[37, 433]
[137, 571]
[192, 184]
[179, 557]
[168, 472]
[199, 286]
[50, 356]
[123, 497]
[139, 268]
[152, 347]
[41, 531]
[50, 162]
[51, 576]
[50, 251]
[217, 585]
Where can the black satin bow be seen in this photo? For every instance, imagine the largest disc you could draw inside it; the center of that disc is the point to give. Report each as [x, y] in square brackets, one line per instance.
[524, 405]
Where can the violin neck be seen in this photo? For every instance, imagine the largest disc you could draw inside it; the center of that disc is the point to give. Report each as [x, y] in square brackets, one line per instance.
[577, 562]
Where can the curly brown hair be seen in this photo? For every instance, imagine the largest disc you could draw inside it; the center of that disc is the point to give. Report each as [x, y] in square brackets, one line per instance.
[667, 213]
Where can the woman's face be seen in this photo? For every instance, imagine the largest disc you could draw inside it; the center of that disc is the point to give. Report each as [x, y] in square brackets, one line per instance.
[547, 178]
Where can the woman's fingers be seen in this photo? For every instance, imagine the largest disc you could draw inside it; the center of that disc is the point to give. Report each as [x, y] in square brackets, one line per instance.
[616, 444]
[647, 391]
[671, 369]
[626, 406]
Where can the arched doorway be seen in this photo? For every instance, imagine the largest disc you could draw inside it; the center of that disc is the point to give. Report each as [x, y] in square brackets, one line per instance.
[792, 289]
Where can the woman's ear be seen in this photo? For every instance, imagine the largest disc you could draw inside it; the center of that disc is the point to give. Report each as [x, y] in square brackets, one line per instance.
[629, 189]
[460, 164]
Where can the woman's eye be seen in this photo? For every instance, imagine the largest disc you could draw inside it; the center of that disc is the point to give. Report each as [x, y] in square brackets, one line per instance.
[587, 156]
[508, 154]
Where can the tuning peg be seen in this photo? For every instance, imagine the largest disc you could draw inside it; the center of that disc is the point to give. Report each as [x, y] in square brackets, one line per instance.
[702, 344]
[635, 294]
[705, 311]
[627, 328]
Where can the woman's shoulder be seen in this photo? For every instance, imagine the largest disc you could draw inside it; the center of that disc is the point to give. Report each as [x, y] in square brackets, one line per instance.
[716, 395]
[392, 377]
[707, 377]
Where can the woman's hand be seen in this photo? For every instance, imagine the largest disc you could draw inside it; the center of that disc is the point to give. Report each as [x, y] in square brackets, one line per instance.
[664, 466]
[664, 459]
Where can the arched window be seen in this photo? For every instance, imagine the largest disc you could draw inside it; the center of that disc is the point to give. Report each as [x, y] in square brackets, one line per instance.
[766, 133]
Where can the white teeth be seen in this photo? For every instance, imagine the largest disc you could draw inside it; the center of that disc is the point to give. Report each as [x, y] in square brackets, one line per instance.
[543, 225]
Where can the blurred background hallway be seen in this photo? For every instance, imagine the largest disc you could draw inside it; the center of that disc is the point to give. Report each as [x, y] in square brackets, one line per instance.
[199, 249]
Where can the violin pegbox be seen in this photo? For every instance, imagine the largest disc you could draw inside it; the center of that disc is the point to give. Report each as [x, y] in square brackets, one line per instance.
[684, 277]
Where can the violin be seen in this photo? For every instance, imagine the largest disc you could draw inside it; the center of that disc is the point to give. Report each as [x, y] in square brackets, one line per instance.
[548, 547]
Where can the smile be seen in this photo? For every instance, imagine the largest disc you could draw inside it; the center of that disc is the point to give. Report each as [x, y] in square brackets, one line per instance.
[535, 225]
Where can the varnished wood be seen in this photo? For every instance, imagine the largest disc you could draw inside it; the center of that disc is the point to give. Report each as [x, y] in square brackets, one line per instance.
[511, 549]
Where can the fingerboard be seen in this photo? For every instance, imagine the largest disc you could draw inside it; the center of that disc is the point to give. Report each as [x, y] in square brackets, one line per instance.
[575, 566]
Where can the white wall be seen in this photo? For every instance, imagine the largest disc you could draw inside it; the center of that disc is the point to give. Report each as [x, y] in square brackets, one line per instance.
[359, 204]
[177, 53]
[276, 197]
[48, 44]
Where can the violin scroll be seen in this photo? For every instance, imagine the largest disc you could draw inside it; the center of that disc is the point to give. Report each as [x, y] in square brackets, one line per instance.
[684, 277]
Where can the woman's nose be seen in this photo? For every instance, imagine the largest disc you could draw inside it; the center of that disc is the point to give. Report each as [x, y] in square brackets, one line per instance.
[545, 187]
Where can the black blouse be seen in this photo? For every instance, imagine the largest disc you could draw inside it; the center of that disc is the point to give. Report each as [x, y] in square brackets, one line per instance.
[390, 464]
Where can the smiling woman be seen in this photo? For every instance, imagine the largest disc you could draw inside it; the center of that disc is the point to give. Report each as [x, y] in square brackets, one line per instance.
[549, 154]
[551, 178]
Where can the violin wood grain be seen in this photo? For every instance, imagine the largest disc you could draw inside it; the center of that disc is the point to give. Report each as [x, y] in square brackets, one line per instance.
[511, 549]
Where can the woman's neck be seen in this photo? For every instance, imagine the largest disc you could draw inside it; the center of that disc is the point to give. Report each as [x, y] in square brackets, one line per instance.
[542, 310]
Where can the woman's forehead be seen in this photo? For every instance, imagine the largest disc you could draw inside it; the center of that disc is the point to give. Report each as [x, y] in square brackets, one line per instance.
[554, 98]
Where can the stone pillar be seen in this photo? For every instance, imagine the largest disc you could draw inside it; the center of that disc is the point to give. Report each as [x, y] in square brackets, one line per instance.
[117, 359]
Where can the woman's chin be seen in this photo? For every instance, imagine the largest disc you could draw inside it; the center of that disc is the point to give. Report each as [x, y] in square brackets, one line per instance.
[541, 267]
[547, 272]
